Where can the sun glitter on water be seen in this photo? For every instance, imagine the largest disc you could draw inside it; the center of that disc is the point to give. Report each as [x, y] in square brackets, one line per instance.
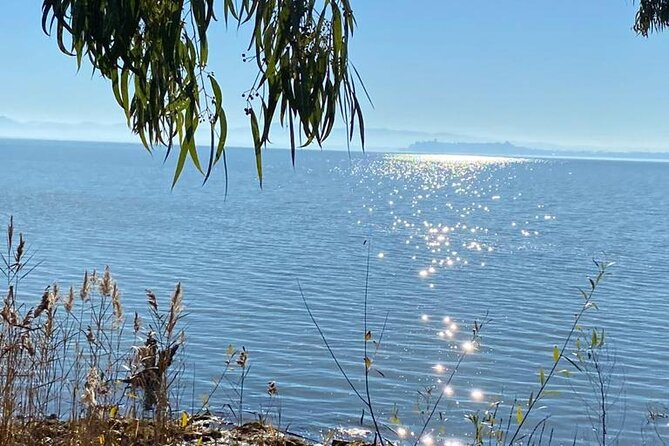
[448, 197]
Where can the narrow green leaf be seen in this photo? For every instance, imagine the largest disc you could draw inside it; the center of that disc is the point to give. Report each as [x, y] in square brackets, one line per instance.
[145, 143]
[124, 94]
[292, 137]
[222, 134]
[192, 150]
[361, 123]
[183, 153]
[212, 154]
[257, 145]
[338, 40]
[218, 96]
[113, 77]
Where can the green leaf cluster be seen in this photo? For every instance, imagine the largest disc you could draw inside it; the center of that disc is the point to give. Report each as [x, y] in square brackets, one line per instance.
[155, 52]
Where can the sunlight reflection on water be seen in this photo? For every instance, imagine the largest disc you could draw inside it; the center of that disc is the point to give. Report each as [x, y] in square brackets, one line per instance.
[448, 198]
[452, 236]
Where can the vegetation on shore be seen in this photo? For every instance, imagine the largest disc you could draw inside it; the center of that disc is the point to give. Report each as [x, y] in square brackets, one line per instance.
[73, 373]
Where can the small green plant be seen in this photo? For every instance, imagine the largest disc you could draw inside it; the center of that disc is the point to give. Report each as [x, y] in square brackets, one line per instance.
[559, 355]
[597, 362]
[586, 357]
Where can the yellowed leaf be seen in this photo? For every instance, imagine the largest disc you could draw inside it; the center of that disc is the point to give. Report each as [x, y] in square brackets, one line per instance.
[368, 363]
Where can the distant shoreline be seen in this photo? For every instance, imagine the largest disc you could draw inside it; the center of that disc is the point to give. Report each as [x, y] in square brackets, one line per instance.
[421, 148]
[510, 150]
[557, 156]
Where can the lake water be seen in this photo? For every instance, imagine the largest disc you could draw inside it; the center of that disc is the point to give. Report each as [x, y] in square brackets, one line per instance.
[451, 237]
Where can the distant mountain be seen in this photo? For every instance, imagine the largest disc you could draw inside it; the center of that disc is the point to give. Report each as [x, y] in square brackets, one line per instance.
[83, 131]
[377, 139]
[508, 149]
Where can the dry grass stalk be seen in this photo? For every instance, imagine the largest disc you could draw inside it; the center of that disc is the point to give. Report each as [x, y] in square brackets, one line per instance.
[176, 306]
[68, 365]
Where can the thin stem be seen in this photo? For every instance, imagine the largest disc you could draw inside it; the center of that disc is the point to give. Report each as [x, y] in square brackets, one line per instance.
[461, 358]
[327, 345]
[368, 364]
[586, 306]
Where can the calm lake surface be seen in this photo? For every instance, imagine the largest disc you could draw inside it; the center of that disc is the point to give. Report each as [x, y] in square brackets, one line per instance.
[451, 237]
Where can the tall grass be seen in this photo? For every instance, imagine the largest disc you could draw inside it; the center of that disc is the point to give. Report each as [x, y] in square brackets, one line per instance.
[70, 369]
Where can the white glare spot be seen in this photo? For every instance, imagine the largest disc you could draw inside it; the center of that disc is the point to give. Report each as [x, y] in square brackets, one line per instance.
[477, 395]
[425, 318]
[381, 255]
[439, 368]
[427, 440]
[448, 391]
[401, 432]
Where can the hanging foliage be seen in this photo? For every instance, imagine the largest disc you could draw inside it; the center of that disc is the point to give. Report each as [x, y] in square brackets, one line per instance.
[154, 54]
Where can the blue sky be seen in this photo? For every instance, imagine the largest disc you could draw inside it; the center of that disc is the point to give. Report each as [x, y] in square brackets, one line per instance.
[568, 73]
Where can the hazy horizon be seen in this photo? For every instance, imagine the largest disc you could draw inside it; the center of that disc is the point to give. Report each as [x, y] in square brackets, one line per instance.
[416, 142]
[377, 139]
[568, 75]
